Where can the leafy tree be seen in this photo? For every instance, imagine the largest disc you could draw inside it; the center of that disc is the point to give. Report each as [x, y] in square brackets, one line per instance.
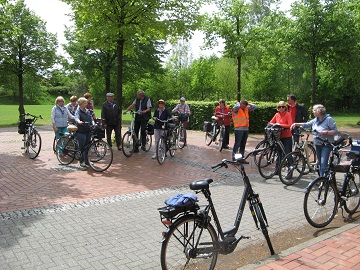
[26, 46]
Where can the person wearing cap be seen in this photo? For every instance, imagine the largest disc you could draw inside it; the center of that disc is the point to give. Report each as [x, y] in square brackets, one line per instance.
[111, 115]
[142, 106]
[184, 113]
[240, 116]
[163, 114]
[223, 113]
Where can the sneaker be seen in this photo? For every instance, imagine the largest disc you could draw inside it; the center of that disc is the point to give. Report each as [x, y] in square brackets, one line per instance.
[88, 164]
[153, 156]
[82, 164]
[143, 148]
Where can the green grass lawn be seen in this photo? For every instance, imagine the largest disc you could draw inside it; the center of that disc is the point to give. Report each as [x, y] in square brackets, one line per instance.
[10, 116]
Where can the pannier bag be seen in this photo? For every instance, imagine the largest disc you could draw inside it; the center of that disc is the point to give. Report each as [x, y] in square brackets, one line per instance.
[207, 126]
[99, 132]
[21, 127]
[150, 128]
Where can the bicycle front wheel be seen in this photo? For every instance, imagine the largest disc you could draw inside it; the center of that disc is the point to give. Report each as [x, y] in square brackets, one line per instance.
[221, 138]
[148, 142]
[320, 202]
[352, 193]
[161, 150]
[268, 163]
[65, 150]
[33, 145]
[292, 168]
[311, 159]
[99, 155]
[181, 140]
[189, 244]
[128, 144]
[54, 144]
[260, 217]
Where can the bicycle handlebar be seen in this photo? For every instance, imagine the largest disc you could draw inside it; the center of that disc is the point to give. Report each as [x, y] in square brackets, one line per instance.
[336, 144]
[34, 116]
[242, 160]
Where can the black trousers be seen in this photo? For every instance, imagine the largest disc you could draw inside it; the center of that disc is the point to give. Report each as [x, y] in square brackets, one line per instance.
[109, 130]
[141, 124]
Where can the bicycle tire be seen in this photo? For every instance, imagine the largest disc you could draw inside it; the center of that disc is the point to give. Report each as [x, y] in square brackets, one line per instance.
[292, 168]
[262, 144]
[181, 138]
[172, 142]
[148, 142]
[268, 163]
[352, 193]
[127, 144]
[179, 247]
[208, 138]
[99, 155]
[65, 150]
[318, 210]
[54, 144]
[161, 150]
[312, 159]
[263, 227]
[33, 146]
[221, 138]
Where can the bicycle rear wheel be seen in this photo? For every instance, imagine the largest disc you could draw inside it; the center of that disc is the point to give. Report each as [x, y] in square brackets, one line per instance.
[268, 163]
[33, 145]
[352, 193]
[161, 150]
[208, 138]
[189, 244]
[262, 144]
[99, 155]
[320, 202]
[292, 168]
[54, 144]
[65, 150]
[311, 159]
[128, 144]
[181, 139]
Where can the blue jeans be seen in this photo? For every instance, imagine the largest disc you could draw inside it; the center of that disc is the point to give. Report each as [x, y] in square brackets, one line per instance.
[322, 154]
[83, 139]
[241, 137]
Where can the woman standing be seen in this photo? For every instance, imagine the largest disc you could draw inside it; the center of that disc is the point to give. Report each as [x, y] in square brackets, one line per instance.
[223, 113]
[59, 117]
[72, 107]
[324, 127]
[283, 119]
[84, 120]
[160, 113]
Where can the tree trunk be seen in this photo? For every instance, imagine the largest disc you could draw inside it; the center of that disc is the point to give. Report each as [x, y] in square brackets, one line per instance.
[120, 57]
[107, 78]
[313, 79]
[21, 87]
[239, 78]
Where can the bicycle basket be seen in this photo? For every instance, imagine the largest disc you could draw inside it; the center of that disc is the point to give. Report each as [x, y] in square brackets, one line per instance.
[207, 126]
[99, 132]
[276, 132]
[150, 128]
[170, 126]
[21, 127]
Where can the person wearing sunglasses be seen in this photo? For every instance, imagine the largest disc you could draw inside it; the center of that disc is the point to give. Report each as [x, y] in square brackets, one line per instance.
[283, 119]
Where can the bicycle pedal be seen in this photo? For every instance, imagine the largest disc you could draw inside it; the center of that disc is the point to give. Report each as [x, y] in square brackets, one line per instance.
[22, 147]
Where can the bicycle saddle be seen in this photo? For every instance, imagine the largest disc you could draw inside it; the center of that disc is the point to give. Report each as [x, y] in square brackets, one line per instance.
[201, 184]
[214, 118]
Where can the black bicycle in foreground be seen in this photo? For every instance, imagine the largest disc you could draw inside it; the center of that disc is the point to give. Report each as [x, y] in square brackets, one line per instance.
[32, 138]
[191, 241]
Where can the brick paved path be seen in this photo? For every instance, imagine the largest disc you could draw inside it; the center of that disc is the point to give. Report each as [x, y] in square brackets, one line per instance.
[58, 217]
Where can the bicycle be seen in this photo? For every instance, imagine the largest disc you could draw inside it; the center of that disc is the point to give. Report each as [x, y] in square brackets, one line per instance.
[99, 152]
[323, 197]
[31, 137]
[130, 140]
[299, 162]
[271, 155]
[191, 241]
[180, 130]
[212, 130]
[167, 141]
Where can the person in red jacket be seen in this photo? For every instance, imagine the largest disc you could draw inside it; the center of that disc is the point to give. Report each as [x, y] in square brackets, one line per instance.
[283, 118]
[224, 111]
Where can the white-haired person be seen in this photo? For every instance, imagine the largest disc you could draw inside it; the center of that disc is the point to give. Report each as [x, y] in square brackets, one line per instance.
[59, 117]
[324, 127]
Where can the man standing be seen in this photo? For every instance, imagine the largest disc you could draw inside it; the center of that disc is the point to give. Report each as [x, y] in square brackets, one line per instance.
[223, 113]
[240, 117]
[298, 114]
[142, 106]
[111, 114]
